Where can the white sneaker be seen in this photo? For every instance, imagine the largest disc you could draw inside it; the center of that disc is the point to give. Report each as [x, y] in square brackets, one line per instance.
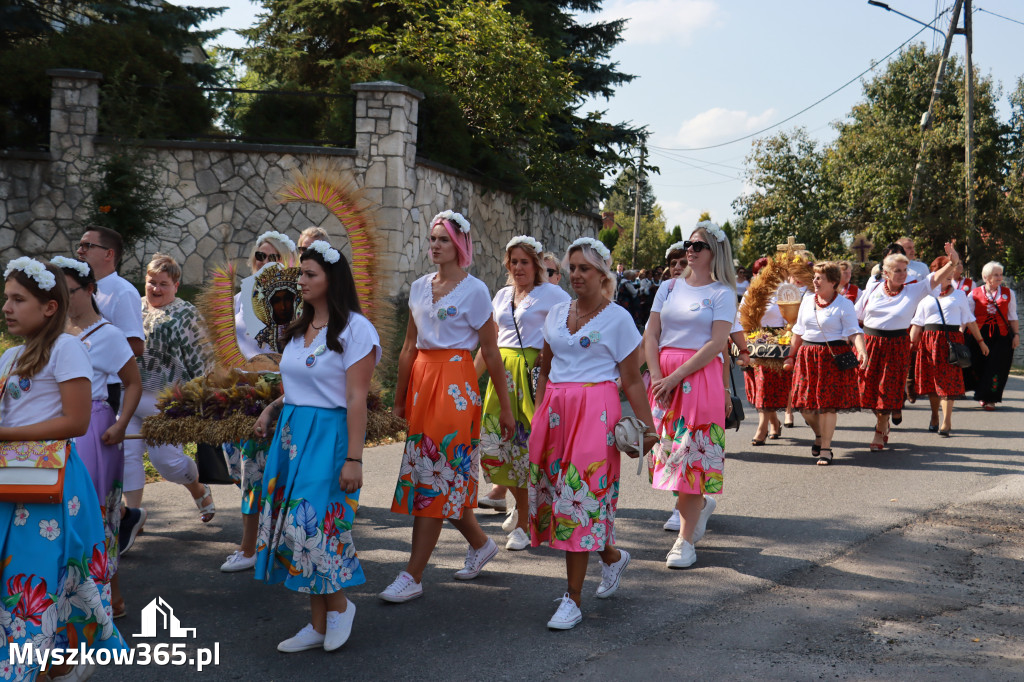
[517, 540]
[673, 521]
[306, 639]
[682, 555]
[339, 627]
[567, 616]
[511, 521]
[403, 589]
[476, 559]
[705, 514]
[238, 562]
[492, 503]
[610, 574]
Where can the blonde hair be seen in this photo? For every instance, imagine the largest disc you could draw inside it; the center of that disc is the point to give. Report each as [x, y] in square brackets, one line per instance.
[161, 262]
[39, 346]
[314, 233]
[722, 269]
[844, 265]
[990, 267]
[539, 276]
[892, 259]
[592, 257]
[289, 258]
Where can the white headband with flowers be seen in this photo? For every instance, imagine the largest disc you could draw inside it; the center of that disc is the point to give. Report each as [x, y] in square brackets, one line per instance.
[283, 238]
[452, 216]
[525, 240]
[678, 246]
[711, 228]
[597, 246]
[81, 267]
[34, 269]
[328, 252]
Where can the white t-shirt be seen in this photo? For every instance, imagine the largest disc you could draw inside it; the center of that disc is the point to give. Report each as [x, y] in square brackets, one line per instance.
[772, 315]
[687, 312]
[30, 401]
[594, 352]
[917, 270]
[955, 308]
[879, 310]
[119, 301]
[530, 314]
[108, 352]
[741, 287]
[314, 375]
[248, 346]
[455, 320]
[838, 320]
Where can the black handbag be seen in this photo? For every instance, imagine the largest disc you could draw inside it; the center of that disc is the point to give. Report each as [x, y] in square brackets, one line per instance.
[959, 353]
[736, 416]
[845, 360]
[212, 465]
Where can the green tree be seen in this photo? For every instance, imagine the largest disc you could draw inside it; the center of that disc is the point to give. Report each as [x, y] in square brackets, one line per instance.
[677, 234]
[609, 236]
[652, 240]
[622, 197]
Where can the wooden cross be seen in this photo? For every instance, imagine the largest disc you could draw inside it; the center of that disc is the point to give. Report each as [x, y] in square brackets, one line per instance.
[791, 248]
[861, 247]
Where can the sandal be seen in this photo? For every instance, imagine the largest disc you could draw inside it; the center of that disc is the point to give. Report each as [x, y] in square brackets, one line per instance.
[932, 428]
[824, 461]
[897, 417]
[816, 447]
[885, 439]
[119, 611]
[775, 436]
[788, 423]
[757, 443]
[206, 511]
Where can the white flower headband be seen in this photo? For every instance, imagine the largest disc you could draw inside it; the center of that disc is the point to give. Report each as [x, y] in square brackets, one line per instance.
[329, 253]
[528, 241]
[678, 246]
[711, 228]
[79, 266]
[34, 269]
[283, 238]
[597, 246]
[452, 216]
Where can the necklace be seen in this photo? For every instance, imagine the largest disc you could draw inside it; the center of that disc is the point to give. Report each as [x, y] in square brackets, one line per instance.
[576, 312]
[517, 297]
[313, 325]
[821, 302]
[888, 291]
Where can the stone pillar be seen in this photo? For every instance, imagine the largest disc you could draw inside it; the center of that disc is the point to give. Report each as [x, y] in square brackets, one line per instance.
[74, 112]
[386, 122]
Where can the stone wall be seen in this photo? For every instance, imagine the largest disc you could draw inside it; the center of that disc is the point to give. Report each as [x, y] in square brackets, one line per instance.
[224, 194]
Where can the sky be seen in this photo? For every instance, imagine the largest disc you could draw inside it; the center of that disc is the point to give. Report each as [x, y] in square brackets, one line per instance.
[711, 71]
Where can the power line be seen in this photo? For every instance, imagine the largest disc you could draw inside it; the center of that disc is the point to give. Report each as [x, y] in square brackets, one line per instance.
[811, 106]
[979, 9]
[693, 165]
[682, 159]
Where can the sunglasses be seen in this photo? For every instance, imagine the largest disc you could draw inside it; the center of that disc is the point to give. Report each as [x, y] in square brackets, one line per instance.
[260, 257]
[85, 246]
[696, 246]
[551, 272]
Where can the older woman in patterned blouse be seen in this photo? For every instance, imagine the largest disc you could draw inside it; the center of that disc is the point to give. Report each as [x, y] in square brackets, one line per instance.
[174, 352]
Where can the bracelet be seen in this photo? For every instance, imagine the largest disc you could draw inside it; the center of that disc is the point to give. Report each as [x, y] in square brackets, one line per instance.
[744, 352]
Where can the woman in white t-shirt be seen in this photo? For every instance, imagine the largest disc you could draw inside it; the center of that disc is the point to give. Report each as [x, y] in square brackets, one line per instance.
[48, 549]
[100, 448]
[519, 313]
[885, 313]
[314, 465]
[589, 343]
[825, 328]
[688, 329]
[940, 320]
[437, 393]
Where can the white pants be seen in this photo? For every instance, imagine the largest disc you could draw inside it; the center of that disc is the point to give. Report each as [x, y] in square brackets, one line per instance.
[170, 460]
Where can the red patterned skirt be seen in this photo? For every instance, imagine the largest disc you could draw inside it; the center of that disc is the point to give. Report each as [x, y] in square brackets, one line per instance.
[767, 388]
[881, 385]
[820, 386]
[933, 374]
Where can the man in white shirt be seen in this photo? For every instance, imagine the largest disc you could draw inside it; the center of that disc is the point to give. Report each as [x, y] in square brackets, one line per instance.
[119, 301]
[916, 269]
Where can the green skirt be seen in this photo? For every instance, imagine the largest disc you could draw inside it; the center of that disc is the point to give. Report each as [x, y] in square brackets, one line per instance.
[508, 462]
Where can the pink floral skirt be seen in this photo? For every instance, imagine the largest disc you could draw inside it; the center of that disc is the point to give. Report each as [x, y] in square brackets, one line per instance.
[574, 467]
[691, 455]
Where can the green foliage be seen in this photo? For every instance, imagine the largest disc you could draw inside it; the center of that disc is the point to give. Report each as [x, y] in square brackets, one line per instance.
[609, 236]
[622, 197]
[677, 234]
[652, 240]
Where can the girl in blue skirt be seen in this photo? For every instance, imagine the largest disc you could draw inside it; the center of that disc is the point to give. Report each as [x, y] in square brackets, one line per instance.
[314, 468]
[53, 580]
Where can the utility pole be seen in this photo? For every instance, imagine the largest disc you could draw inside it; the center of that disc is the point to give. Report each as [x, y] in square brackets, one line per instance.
[926, 120]
[969, 133]
[636, 208]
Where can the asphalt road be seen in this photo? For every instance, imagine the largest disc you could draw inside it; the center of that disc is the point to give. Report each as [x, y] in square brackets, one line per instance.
[780, 522]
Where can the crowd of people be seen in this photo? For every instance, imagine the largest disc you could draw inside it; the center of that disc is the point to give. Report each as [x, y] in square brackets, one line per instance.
[96, 355]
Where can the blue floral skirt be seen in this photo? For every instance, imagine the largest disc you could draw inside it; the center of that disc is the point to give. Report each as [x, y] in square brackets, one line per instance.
[53, 580]
[246, 462]
[305, 528]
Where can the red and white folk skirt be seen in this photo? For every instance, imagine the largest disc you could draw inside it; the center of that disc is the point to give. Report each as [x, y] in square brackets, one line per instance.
[820, 386]
[768, 388]
[932, 372]
[882, 383]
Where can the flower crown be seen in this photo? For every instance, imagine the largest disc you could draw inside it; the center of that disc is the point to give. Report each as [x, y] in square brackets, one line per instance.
[34, 269]
[452, 216]
[597, 246]
[283, 238]
[81, 267]
[528, 241]
[678, 246]
[329, 253]
[711, 228]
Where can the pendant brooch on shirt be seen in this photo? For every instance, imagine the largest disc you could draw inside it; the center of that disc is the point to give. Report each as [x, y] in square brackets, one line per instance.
[320, 350]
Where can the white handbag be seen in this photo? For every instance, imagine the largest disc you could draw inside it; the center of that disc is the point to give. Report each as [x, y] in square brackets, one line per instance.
[629, 439]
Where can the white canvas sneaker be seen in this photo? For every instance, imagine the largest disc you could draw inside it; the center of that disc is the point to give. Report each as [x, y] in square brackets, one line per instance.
[567, 616]
[339, 627]
[673, 521]
[403, 589]
[705, 514]
[682, 555]
[610, 574]
[476, 559]
[238, 562]
[307, 638]
[517, 540]
[511, 521]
